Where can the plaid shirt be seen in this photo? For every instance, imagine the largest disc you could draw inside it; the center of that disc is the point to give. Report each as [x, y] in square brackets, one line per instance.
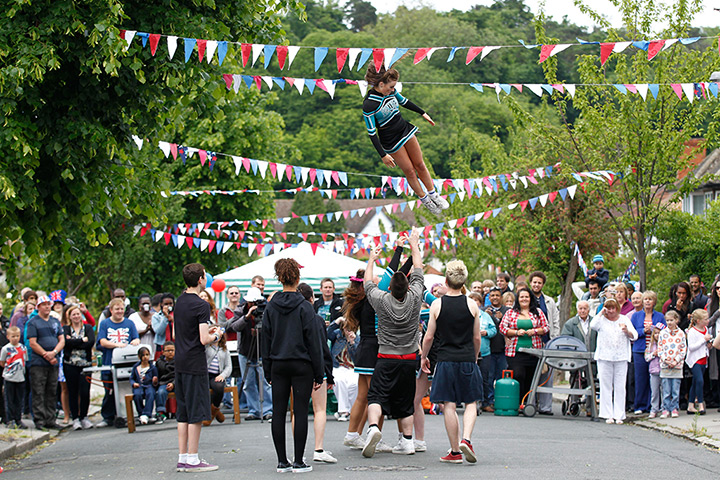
[510, 320]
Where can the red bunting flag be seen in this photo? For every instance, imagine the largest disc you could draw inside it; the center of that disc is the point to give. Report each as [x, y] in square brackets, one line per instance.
[211, 245]
[523, 205]
[154, 40]
[677, 88]
[202, 44]
[552, 196]
[168, 237]
[341, 55]
[228, 80]
[654, 48]
[378, 58]
[282, 51]
[189, 241]
[314, 247]
[472, 53]
[245, 51]
[605, 50]
[545, 52]
[420, 55]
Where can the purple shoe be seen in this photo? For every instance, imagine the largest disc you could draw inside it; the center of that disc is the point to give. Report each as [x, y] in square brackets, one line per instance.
[181, 467]
[203, 466]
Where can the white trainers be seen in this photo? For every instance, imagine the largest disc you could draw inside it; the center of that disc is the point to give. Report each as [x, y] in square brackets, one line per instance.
[404, 447]
[439, 201]
[76, 424]
[374, 435]
[356, 443]
[383, 447]
[102, 424]
[420, 445]
[144, 419]
[86, 424]
[324, 456]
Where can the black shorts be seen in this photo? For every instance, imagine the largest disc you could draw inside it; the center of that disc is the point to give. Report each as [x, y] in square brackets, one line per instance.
[366, 355]
[393, 387]
[192, 393]
[456, 382]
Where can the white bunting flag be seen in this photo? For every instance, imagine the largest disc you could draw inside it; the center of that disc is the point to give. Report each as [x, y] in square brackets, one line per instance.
[352, 57]
[165, 147]
[257, 49]
[210, 50]
[292, 53]
[172, 45]
[238, 164]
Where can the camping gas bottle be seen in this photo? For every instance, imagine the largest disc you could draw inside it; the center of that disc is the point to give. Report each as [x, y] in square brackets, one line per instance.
[507, 395]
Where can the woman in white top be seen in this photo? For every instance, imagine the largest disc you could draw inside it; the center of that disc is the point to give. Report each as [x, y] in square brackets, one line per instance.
[615, 332]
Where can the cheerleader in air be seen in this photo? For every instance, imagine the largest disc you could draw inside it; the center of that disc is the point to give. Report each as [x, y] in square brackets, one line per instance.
[394, 138]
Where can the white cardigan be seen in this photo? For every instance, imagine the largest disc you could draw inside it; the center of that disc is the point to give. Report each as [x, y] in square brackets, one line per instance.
[697, 346]
[612, 344]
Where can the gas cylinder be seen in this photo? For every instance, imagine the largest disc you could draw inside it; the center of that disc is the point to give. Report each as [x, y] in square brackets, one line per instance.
[507, 395]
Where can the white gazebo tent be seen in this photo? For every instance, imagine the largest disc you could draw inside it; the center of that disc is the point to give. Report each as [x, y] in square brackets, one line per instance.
[323, 264]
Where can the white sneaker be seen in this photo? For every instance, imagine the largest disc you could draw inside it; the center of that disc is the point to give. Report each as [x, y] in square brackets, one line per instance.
[439, 201]
[76, 424]
[102, 424]
[374, 435]
[344, 417]
[356, 443]
[383, 447]
[324, 456]
[432, 206]
[86, 424]
[404, 447]
[420, 445]
[144, 419]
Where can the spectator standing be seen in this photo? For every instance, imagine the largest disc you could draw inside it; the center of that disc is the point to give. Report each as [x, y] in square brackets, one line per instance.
[117, 293]
[166, 379]
[488, 331]
[20, 311]
[343, 346]
[292, 358]
[644, 321]
[680, 301]
[162, 322]
[508, 299]
[493, 365]
[552, 313]
[698, 339]
[213, 309]
[143, 323]
[12, 358]
[622, 295]
[502, 281]
[4, 325]
[144, 379]
[698, 292]
[714, 359]
[477, 287]
[192, 333]
[653, 359]
[593, 297]
[672, 348]
[615, 332]
[329, 306]
[79, 341]
[116, 331]
[219, 367]
[45, 335]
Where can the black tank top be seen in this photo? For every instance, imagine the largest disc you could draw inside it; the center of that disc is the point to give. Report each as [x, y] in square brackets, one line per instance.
[366, 314]
[454, 332]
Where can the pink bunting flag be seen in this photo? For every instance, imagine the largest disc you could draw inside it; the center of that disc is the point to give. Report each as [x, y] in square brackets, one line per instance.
[203, 156]
[320, 83]
[257, 79]
[605, 50]
[202, 44]
[472, 53]
[290, 80]
[245, 51]
[545, 52]
[654, 48]
[313, 174]
[341, 55]
[273, 169]
[420, 55]
[228, 80]
[631, 87]
[336, 177]
[677, 88]
[282, 51]
[378, 58]
[154, 40]
[246, 164]
[173, 150]
[518, 86]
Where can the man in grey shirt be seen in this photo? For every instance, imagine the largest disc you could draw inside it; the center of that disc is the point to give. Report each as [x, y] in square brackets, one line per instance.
[392, 388]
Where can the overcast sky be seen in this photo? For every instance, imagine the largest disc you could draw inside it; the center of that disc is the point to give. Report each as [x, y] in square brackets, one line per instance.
[554, 8]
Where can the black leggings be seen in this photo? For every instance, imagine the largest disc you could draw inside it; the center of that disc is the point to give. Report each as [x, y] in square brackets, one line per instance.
[218, 390]
[523, 366]
[298, 375]
[78, 391]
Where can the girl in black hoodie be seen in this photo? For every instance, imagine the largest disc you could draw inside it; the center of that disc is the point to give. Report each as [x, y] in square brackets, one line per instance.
[292, 358]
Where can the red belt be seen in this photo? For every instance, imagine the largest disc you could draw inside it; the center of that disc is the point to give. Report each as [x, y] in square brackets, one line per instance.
[410, 356]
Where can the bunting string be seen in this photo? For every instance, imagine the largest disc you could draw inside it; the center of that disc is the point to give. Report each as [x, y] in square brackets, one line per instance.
[691, 90]
[346, 56]
[581, 261]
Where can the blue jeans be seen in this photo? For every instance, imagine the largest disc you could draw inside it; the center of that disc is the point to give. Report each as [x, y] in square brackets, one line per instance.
[250, 387]
[491, 368]
[147, 393]
[108, 410]
[671, 393]
[161, 397]
[698, 383]
[642, 382]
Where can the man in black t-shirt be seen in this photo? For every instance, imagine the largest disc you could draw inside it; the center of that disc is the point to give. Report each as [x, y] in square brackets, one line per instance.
[192, 333]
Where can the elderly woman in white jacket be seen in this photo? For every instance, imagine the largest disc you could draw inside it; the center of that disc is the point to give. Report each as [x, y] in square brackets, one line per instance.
[219, 368]
[613, 353]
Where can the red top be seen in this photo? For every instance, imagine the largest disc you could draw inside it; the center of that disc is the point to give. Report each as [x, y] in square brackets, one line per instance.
[509, 321]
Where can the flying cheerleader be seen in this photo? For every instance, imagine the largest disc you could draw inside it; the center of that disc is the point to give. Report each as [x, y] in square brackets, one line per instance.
[394, 138]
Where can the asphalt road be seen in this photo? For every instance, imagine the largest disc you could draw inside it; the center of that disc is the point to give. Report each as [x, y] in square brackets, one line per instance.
[507, 447]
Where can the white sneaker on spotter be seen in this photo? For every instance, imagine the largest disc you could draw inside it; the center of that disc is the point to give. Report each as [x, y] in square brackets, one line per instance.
[439, 201]
[404, 447]
[324, 456]
[420, 445]
[383, 447]
[356, 443]
[374, 435]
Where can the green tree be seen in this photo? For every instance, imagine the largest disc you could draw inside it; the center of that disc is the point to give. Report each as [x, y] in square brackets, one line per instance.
[311, 203]
[360, 14]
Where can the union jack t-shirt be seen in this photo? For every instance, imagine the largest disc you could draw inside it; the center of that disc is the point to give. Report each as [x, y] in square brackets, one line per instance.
[122, 332]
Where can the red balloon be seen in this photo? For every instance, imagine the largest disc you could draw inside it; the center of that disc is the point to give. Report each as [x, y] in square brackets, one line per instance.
[218, 285]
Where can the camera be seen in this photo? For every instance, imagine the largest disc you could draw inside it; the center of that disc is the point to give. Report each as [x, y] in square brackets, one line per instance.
[260, 310]
[146, 307]
[170, 309]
